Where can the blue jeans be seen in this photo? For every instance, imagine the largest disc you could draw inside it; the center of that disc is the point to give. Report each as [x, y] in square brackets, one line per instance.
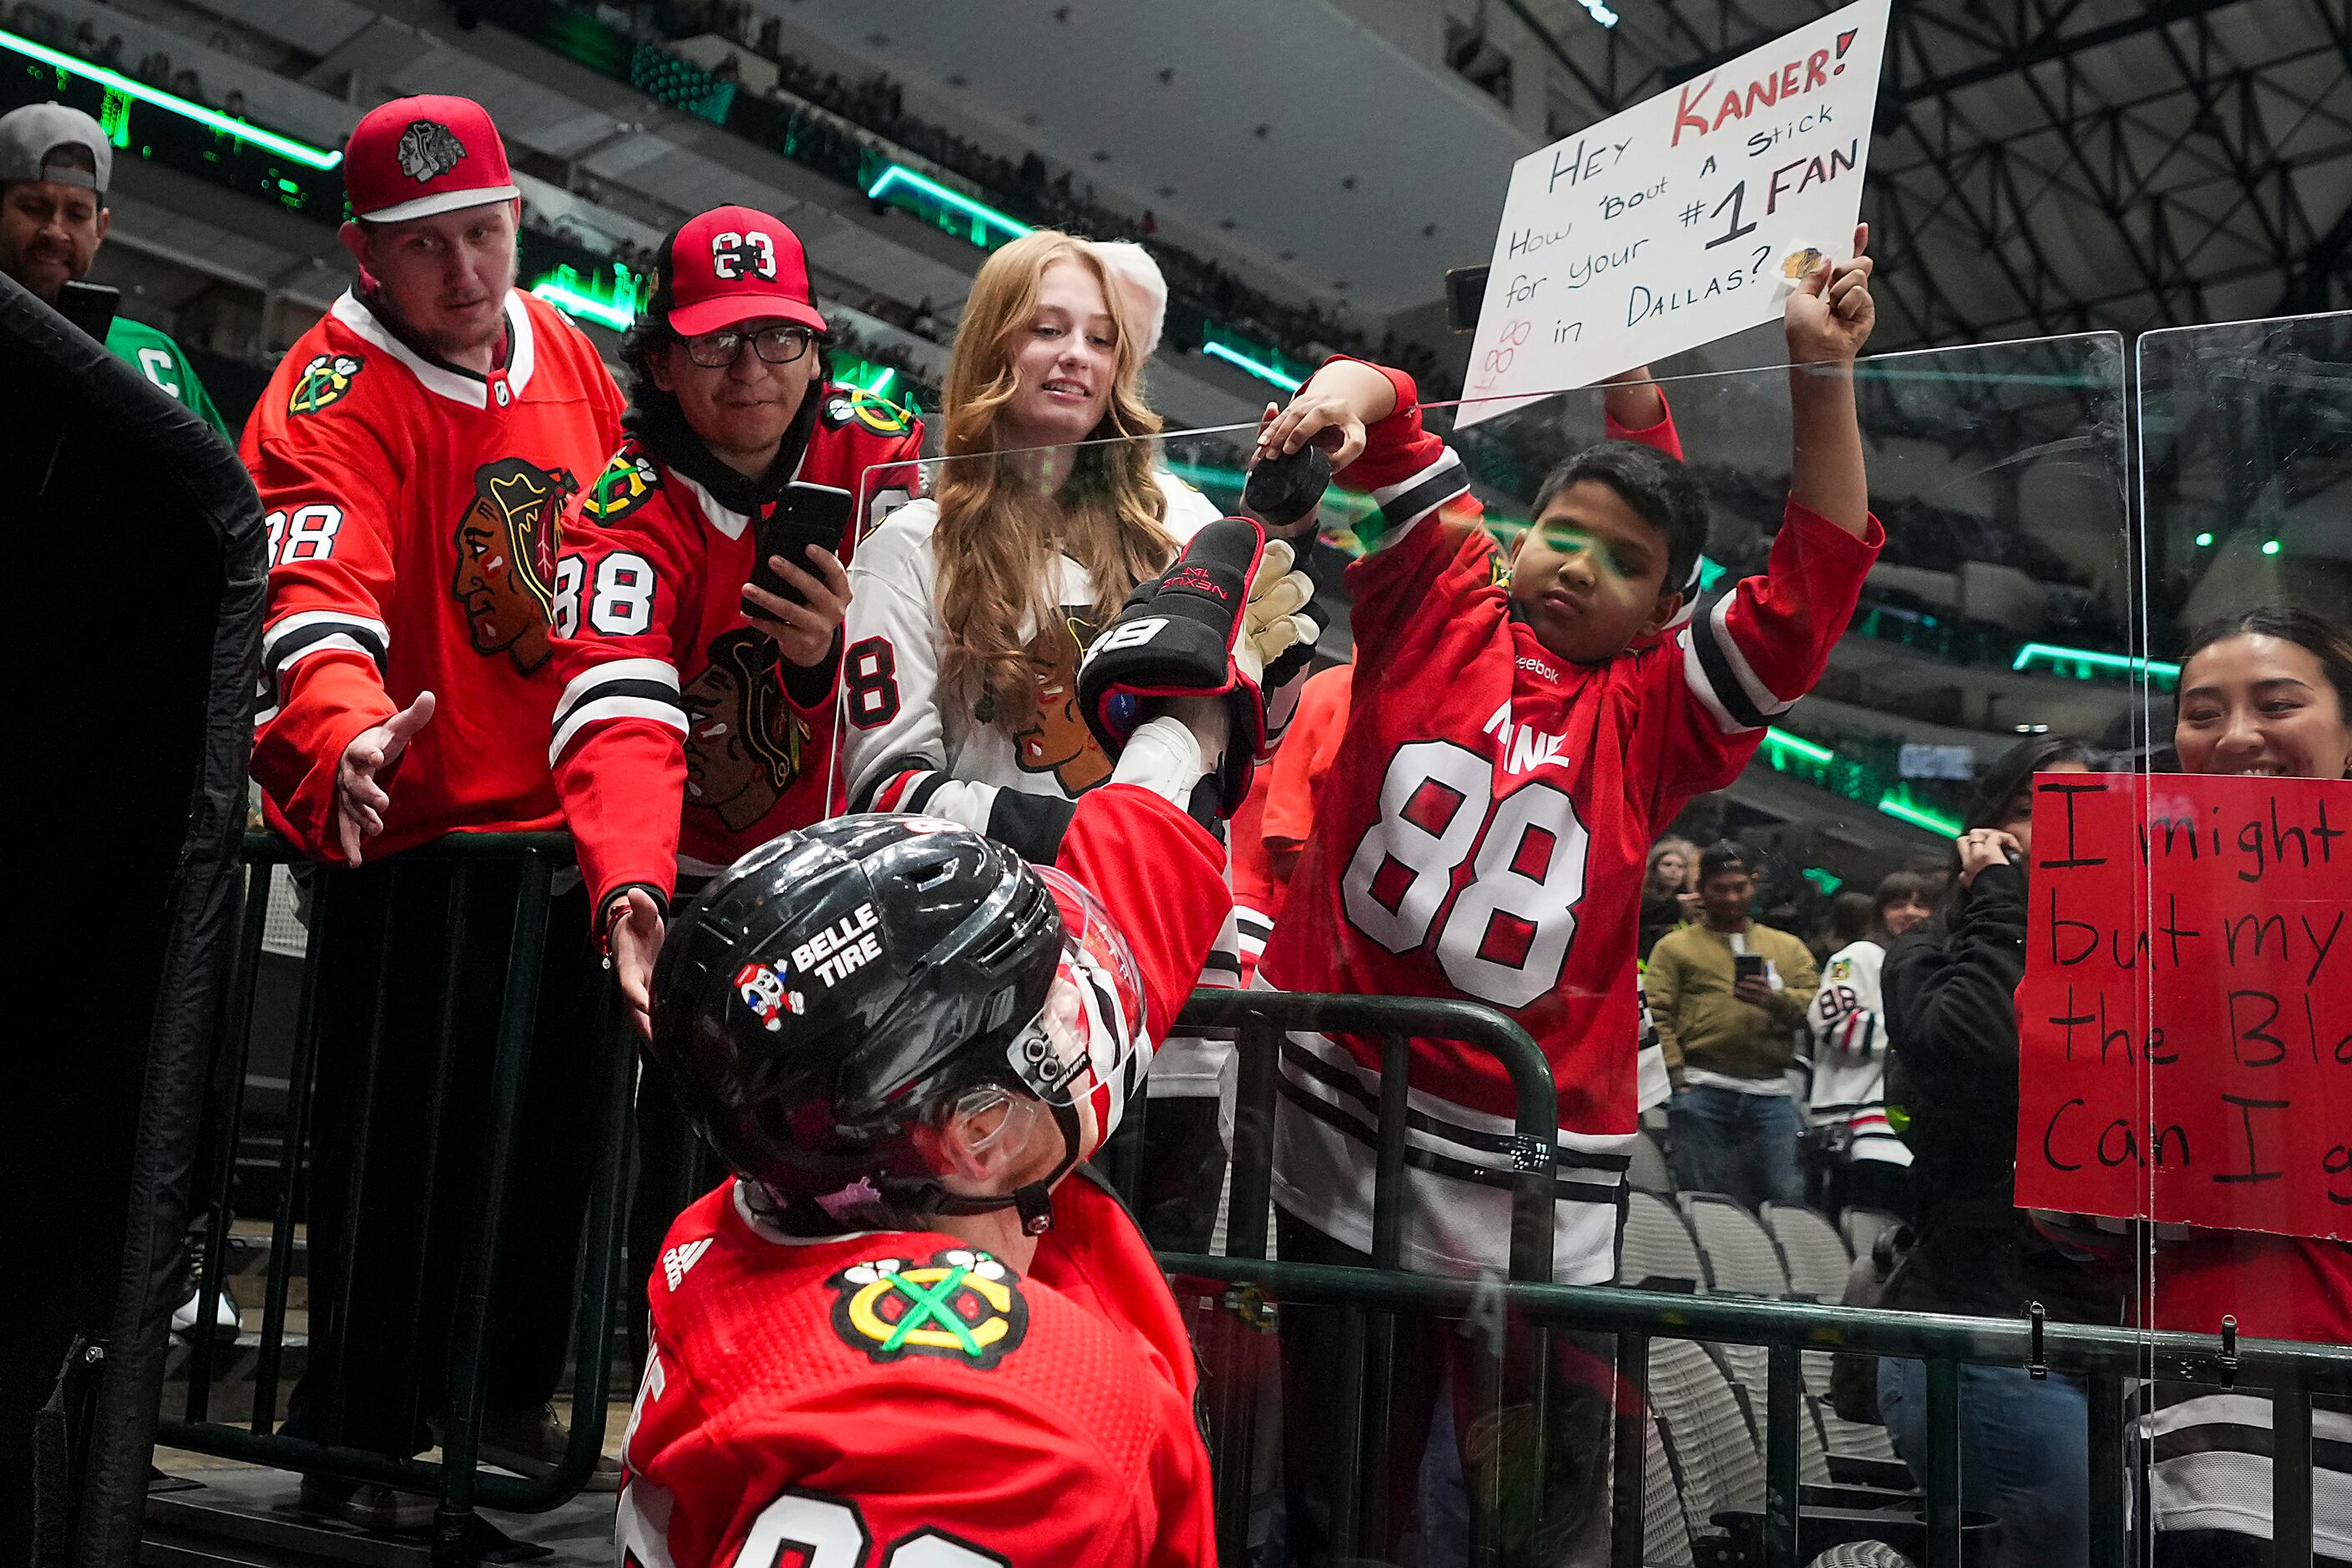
[1743, 1144]
[2025, 1454]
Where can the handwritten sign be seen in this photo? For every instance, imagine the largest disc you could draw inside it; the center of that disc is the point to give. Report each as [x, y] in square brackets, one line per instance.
[1681, 220]
[2186, 1020]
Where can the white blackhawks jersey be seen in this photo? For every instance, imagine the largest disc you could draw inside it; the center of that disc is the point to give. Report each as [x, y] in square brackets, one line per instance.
[1845, 1039]
[904, 748]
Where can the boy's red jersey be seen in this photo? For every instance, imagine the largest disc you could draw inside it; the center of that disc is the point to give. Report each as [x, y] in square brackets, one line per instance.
[1482, 835]
[680, 740]
[900, 1399]
[412, 511]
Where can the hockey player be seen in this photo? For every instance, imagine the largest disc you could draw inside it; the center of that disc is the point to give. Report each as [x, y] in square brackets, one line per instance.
[900, 1337]
[1519, 734]
[415, 452]
[696, 715]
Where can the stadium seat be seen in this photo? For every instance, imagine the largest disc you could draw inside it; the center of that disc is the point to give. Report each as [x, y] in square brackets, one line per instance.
[1658, 1253]
[1665, 1534]
[1861, 1554]
[1738, 1254]
[1813, 1253]
[1861, 1227]
[1649, 1172]
[1718, 1460]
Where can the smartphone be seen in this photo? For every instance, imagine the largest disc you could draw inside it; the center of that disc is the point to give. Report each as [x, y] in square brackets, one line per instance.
[89, 306]
[1748, 965]
[1465, 292]
[809, 516]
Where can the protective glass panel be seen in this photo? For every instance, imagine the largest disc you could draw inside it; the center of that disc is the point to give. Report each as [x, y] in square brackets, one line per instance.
[2246, 473]
[1472, 814]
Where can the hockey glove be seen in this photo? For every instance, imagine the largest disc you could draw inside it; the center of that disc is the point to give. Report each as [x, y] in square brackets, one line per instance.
[1201, 628]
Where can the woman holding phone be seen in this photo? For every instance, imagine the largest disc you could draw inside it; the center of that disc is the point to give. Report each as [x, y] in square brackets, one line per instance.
[971, 608]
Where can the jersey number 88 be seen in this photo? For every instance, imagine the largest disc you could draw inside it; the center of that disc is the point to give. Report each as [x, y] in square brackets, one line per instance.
[1505, 938]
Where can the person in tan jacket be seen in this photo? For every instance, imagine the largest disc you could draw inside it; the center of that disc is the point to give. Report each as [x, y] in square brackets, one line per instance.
[1728, 995]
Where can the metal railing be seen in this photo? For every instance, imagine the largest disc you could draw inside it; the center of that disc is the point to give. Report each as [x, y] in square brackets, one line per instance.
[456, 1479]
[2107, 1359]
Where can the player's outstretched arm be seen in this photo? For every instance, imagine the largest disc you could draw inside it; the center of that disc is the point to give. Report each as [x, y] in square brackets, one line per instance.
[1828, 320]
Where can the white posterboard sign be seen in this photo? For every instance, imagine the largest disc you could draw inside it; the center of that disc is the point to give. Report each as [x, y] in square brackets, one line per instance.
[1680, 220]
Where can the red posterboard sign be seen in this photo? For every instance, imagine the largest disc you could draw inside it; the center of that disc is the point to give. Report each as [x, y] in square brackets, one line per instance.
[2186, 1021]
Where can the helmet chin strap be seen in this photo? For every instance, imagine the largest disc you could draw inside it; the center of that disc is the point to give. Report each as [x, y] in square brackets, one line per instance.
[1033, 1199]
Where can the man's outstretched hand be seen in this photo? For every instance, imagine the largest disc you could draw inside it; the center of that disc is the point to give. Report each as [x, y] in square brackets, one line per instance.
[638, 932]
[360, 801]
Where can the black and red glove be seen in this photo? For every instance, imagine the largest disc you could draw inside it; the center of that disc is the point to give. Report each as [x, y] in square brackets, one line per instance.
[1206, 626]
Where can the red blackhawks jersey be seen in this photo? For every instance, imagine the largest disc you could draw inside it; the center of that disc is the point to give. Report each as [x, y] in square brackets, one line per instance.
[902, 1400]
[1483, 834]
[680, 740]
[413, 512]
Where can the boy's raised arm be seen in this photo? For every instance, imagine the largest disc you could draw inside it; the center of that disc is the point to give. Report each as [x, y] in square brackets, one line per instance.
[1829, 319]
[1331, 410]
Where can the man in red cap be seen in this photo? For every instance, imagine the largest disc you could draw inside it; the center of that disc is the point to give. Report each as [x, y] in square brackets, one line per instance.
[415, 453]
[696, 645]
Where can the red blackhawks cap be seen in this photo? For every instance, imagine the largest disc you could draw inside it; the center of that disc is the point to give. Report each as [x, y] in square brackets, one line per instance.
[731, 265]
[414, 157]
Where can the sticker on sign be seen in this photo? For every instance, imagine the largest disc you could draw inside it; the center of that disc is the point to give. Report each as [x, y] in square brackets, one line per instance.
[1681, 220]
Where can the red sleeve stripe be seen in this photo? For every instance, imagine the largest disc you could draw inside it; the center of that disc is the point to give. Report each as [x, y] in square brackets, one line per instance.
[617, 689]
[1409, 499]
[1721, 678]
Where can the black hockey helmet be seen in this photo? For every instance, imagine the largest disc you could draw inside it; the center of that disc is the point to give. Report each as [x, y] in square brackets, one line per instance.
[827, 988]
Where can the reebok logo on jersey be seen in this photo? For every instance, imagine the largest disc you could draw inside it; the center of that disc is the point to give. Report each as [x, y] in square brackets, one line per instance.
[1534, 666]
[961, 1306]
[679, 1260]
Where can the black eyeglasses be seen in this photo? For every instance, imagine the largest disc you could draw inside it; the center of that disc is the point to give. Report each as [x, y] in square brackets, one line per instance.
[774, 345]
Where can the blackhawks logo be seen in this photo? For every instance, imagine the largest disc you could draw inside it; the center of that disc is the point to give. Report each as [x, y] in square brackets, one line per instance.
[878, 415]
[428, 150]
[626, 484]
[323, 381]
[962, 1306]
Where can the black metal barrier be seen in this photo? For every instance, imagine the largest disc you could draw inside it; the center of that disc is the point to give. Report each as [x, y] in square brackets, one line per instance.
[1377, 1300]
[456, 1479]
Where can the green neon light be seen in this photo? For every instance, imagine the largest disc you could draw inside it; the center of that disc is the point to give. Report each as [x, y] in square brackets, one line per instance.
[1919, 817]
[2204, 541]
[613, 307]
[212, 119]
[1263, 372]
[2270, 547]
[981, 212]
[2057, 657]
[1799, 744]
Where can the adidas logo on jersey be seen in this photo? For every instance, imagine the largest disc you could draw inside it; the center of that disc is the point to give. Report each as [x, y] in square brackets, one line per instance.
[679, 1260]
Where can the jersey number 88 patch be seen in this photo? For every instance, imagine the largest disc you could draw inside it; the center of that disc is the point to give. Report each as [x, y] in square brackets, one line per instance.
[1505, 938]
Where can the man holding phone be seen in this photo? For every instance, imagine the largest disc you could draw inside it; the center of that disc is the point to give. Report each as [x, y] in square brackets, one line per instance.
[55, 163]
[1727, 996]
[700, 596]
